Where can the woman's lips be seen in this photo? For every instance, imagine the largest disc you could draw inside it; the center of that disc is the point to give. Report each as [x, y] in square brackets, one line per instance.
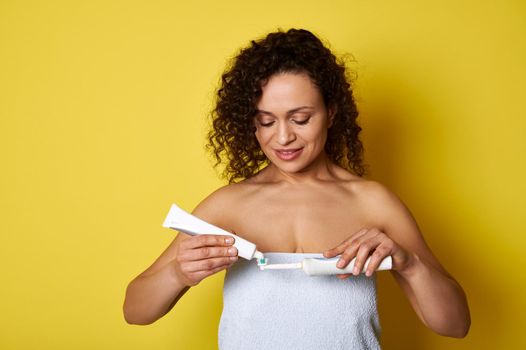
[288, 154]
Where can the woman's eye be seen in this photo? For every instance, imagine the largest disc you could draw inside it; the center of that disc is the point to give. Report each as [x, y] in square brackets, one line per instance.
[302, 122]
[266, 124]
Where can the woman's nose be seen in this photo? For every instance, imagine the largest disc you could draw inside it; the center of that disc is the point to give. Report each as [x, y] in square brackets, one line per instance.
[285, 134]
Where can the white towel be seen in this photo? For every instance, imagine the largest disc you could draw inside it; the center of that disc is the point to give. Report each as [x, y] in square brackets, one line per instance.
[287, 309]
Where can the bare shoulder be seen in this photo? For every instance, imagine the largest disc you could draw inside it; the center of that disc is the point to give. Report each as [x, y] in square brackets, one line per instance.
[375, 196]
[394, 218]
[219, 205]
[386, 210]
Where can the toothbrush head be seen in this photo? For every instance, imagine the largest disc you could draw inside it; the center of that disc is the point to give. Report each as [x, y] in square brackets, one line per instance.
[262, 262]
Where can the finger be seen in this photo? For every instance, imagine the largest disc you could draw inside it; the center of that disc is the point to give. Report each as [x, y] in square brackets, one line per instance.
[208, 241]
[359, 233]
[376, 258]
[351, 251]
[200, 275]
[344, 275]
[330, 253]
[363, 253]
[208, 264]
[208, 252]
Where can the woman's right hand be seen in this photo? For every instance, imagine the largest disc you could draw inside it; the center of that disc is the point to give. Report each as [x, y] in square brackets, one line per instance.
[203, 255]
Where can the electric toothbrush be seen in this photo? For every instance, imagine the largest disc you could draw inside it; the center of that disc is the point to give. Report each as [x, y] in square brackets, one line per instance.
[323, 266]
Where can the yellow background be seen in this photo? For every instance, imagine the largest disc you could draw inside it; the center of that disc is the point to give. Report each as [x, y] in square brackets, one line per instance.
[102, 124]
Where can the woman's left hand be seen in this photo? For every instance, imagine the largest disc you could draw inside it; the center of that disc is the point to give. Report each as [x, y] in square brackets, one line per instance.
[369, 242]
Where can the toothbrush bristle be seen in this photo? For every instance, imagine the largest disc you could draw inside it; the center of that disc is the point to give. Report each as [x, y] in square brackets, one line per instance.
[262, 261]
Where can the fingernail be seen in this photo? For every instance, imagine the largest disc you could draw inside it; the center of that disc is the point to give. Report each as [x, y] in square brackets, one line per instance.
[233, 258]
[340, 264]
[231, 251]
[355, 271]
[229, 240]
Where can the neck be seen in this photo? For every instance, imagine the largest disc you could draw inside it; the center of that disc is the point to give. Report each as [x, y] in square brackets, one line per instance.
[320, 169]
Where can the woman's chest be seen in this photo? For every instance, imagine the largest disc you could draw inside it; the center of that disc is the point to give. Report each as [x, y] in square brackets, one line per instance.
[298, 222]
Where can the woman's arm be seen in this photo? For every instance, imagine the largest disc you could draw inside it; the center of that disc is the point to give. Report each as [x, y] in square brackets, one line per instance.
[436, 297]
[155, 291]
[186, 261]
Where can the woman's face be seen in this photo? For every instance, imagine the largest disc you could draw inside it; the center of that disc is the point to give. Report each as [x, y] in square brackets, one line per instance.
[292, 121]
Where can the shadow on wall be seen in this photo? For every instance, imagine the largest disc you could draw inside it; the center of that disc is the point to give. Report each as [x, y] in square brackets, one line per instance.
[388, 143]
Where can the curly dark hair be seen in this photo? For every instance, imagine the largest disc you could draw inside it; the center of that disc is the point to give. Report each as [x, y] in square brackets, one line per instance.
[294, 51]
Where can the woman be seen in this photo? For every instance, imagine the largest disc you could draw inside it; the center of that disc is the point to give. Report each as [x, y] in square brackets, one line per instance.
[285, 120]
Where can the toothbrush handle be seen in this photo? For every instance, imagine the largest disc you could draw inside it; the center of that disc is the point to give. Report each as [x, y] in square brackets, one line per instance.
[317, 267]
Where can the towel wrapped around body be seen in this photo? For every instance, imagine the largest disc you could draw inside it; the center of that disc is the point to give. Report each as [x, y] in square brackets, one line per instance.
[287, 309]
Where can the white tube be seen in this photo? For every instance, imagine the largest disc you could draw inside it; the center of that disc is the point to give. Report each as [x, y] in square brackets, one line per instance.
[180, 220]
[322, 266]
[317, 267]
